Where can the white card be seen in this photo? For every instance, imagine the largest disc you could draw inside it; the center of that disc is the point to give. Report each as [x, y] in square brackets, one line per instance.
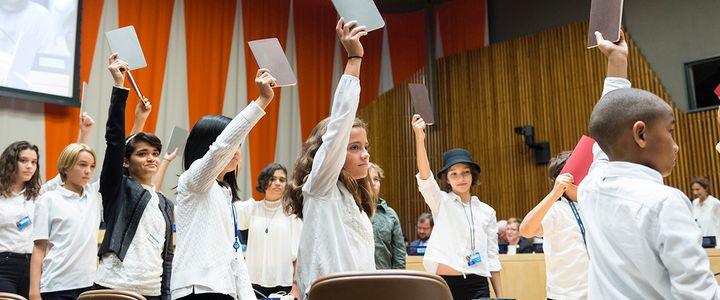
[125, 43]
[178, 138]
[269, 55]
[83, 98]
[363, 11]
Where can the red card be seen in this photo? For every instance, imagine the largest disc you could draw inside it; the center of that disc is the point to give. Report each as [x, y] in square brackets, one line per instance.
[578, 164]
[717, 91]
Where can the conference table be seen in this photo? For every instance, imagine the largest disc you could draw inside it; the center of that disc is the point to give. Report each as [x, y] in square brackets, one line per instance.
[523, 275]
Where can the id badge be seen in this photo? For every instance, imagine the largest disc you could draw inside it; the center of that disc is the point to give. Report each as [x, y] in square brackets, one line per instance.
[23, 223]
[473, 258]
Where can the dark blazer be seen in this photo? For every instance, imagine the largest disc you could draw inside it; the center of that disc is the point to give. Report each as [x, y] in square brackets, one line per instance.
[525, 246]
[124, 199]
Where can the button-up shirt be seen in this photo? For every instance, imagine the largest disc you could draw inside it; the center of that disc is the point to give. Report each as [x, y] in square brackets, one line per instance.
[460, 230]
[389, 242]
[641, 236]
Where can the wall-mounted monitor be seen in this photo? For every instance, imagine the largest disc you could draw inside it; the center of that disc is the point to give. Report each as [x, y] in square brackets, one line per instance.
[39, 50]
[702, 77]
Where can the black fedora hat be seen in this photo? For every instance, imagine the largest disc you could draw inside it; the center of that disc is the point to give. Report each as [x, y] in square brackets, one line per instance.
[456, 156]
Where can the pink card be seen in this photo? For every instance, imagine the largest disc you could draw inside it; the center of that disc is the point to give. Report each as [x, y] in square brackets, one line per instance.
[717, 91]
[578, 164]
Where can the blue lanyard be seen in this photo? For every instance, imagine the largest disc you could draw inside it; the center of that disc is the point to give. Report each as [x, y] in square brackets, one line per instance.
[236, 244]
[577, 218]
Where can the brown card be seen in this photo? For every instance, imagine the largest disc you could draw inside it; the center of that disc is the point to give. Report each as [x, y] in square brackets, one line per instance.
[421, 102]
[605, 17]
[270, 55]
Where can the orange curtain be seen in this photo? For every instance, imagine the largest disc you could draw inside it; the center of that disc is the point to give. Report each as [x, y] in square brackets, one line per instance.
[462, 25]
[263, 19]
[209, 30]
[408, 43]
[315, 40]
[152, 23]
[62, 122]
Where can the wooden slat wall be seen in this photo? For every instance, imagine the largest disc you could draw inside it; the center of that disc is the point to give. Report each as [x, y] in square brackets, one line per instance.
[549, 80]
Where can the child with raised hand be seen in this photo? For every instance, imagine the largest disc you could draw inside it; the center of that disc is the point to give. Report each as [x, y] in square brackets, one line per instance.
[330, 190]
[556, 218]
[642, 240]
[463, 248]
[207, 263]
[137, 250]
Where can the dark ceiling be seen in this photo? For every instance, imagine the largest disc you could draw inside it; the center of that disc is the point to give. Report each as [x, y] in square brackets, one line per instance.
[402, 6]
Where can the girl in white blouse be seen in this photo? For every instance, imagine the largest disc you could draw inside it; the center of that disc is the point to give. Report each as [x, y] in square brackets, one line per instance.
[331, 192]
[207, 263]
[273, 235]
[463, 247]
[19, 187]
[66, 230]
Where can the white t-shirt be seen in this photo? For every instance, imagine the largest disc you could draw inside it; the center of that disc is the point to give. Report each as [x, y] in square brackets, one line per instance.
[272, 241]
[566, 258]
[69, 222]
[12, 210]
[142, 269]
[707, 216]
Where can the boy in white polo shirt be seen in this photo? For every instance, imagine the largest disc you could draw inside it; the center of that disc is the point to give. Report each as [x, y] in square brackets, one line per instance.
[642, 239]
[66, 230]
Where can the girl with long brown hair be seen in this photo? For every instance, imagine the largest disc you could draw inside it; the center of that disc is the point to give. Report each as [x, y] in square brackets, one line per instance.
[330, 190]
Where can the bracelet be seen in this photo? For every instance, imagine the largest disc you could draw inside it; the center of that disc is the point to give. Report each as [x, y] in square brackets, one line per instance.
[354, 56]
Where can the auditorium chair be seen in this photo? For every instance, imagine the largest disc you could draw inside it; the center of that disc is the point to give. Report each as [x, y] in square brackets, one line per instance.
[10, 296]
[380, 285]
[110, 295]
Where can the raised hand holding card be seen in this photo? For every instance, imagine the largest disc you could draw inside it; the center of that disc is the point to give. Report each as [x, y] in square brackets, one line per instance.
[578, 164]
[363, 11]
[269, 55]
[421, 102]
[605, 17]
[124, 41]
[178, 138]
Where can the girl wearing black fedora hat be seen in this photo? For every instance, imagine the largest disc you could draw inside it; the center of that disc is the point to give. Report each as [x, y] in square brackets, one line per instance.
[463, 247]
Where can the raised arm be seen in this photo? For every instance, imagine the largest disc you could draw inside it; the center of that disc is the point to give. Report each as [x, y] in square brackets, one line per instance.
[162, 170]
[86, 125]
[112, 170]
[201, 175]
[142, 111]
[531, 225]
[330, 157]
[423, 163]
[426, 182]
[617, 57]
[616, 78]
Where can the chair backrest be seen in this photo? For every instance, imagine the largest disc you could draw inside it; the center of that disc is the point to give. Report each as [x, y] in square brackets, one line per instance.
[10, 296]
[380, 285]
[110, 295]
